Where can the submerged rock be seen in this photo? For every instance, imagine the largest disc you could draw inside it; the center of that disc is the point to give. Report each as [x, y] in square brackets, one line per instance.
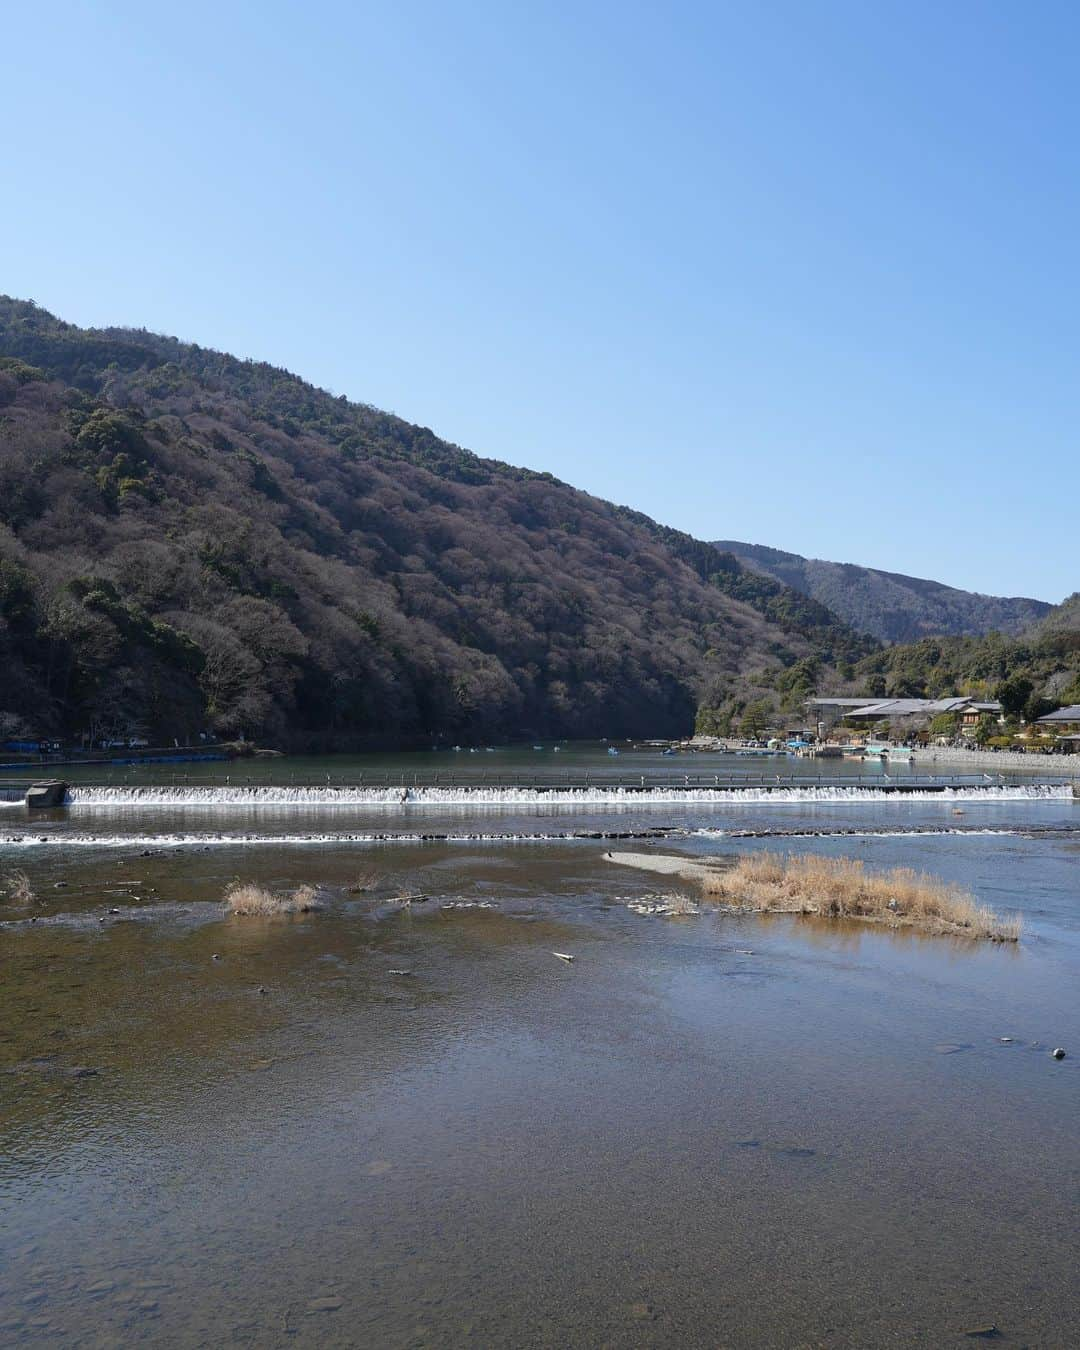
[317, 1305]
[643, 1312]
[676, 908]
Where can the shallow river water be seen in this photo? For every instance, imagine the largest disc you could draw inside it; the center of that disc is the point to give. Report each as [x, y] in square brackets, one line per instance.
[706, 1131]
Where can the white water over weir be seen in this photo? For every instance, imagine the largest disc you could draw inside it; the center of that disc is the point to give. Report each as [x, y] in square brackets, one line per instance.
[97, 798]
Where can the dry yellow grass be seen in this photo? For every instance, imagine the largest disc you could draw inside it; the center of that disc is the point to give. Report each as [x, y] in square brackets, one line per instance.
[842, 888]
[19, 890]
[246, 898]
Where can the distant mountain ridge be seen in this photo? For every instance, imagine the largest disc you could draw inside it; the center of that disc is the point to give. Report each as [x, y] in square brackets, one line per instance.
[889, 605]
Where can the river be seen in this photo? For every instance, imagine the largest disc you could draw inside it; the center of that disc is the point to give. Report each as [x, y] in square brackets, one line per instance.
[705, 1130]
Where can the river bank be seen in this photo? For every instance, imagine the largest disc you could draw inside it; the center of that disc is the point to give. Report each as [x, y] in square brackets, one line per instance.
[995, 761]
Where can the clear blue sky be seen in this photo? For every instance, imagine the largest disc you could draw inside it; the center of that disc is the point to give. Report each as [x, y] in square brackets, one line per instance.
[799, 273]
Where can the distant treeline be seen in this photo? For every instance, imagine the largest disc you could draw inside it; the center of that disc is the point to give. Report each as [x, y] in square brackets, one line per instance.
[1030, 675]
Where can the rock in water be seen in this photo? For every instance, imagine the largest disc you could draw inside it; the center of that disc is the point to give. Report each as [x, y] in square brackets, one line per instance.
[324, 1305]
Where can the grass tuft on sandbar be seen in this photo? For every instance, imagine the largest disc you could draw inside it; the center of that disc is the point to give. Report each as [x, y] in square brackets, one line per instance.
[842, 888]
[247, 898]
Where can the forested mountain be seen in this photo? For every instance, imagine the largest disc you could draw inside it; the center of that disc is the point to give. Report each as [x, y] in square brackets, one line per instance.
[191, 541]
[889, 605]
[1063, 618]
[1031, 674]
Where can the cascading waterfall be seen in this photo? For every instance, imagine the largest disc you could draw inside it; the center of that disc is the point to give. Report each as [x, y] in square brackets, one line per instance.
[279, 796]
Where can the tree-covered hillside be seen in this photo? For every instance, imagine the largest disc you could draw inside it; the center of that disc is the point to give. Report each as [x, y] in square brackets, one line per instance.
[189, 541]
[890, 605]
[1030, 674]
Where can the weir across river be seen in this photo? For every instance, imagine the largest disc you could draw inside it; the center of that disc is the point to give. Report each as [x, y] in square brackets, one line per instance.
[435, 786]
